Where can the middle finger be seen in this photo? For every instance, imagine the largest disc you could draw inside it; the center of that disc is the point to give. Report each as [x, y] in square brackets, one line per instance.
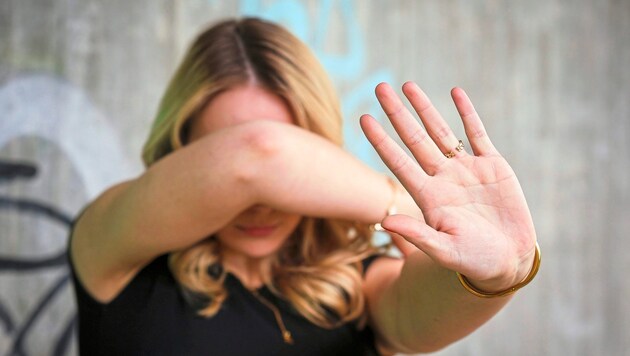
[436, 127]
[410, 131]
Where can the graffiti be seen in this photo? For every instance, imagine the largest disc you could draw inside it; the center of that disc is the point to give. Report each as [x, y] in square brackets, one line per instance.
[348, 69]
[52, 110]
[8, 172]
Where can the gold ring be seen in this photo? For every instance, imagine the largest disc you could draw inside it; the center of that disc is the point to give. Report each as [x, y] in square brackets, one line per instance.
[459, 148]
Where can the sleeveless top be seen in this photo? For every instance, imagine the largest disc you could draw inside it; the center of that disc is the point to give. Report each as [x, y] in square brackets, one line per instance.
[151, 317]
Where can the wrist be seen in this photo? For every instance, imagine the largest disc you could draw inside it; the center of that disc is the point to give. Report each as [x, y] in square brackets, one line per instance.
[502, 287]
[391, 207]
[506, 281]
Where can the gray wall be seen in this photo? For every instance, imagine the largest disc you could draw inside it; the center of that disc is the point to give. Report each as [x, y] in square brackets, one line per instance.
[80, 82]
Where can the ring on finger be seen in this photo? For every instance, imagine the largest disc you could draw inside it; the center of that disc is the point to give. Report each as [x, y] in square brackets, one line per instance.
[452, 153]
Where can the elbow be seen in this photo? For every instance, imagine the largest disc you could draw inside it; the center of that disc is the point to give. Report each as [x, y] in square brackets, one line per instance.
[421, 345]
[261, 149]
[262, 139]
[427, 349]
[416, 347]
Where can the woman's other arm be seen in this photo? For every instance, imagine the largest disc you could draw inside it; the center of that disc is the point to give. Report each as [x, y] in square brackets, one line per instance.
[476, 223]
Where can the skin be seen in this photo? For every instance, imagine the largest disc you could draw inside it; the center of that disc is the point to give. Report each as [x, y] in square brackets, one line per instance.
[477, 219]
[467, 222]
[465, 214]
[198, 190]
[256, 234]
[476, 222]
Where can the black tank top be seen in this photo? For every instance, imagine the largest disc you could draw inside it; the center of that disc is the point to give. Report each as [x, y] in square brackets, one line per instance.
[151, 317]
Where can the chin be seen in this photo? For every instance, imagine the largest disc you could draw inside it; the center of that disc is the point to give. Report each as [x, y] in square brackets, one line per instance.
[253, 249]
[260, 252]
[255, 243]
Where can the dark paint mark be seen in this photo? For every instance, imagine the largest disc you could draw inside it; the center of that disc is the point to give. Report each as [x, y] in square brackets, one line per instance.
[10, 171]
[66, 336]
[6, 319]
[18, 342]
[32, 206]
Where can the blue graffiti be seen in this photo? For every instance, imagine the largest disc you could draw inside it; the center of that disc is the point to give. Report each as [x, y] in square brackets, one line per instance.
[348, 69]
[290, 13]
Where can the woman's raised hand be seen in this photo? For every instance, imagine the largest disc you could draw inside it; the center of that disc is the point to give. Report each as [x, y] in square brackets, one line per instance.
[477, 221]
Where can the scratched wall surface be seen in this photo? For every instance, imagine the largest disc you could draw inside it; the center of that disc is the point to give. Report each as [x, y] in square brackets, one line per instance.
[80, 82]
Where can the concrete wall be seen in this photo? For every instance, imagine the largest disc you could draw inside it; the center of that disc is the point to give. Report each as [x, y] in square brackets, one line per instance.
[80, 82]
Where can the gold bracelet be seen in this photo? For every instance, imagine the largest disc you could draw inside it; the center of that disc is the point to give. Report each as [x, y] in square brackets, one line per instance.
[530, 276]
[391, 208]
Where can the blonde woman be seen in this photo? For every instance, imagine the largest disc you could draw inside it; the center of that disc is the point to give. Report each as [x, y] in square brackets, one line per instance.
[249, 232]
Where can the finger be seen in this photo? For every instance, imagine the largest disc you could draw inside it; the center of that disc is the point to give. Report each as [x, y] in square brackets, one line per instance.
[395, 158]
[435, 244]
[434, 123]
[409, 129]
[476, 133]
[405, 247]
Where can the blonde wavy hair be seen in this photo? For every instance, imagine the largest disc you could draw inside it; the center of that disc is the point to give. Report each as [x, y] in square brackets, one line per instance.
[318, 270]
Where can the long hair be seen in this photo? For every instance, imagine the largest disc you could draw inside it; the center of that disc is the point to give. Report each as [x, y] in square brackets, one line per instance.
[318, 269]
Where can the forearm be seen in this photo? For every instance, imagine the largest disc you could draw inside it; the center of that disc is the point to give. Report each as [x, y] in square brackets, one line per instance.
[309, 175]
[476, 222]
[204, 185]
[180, 199]
[426, 308]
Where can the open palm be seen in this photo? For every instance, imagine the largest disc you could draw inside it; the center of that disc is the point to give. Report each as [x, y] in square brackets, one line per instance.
[476, 218]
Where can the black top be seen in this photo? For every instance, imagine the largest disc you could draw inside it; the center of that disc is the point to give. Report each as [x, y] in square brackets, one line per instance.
[151, 317]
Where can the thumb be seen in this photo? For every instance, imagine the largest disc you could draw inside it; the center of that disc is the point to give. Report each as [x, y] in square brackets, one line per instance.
[417, 233]
[404, 246]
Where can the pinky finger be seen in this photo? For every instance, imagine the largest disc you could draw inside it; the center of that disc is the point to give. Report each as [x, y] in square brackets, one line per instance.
[476, 133]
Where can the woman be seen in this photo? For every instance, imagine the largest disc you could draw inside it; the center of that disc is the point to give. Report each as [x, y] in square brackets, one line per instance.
[249, 232]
